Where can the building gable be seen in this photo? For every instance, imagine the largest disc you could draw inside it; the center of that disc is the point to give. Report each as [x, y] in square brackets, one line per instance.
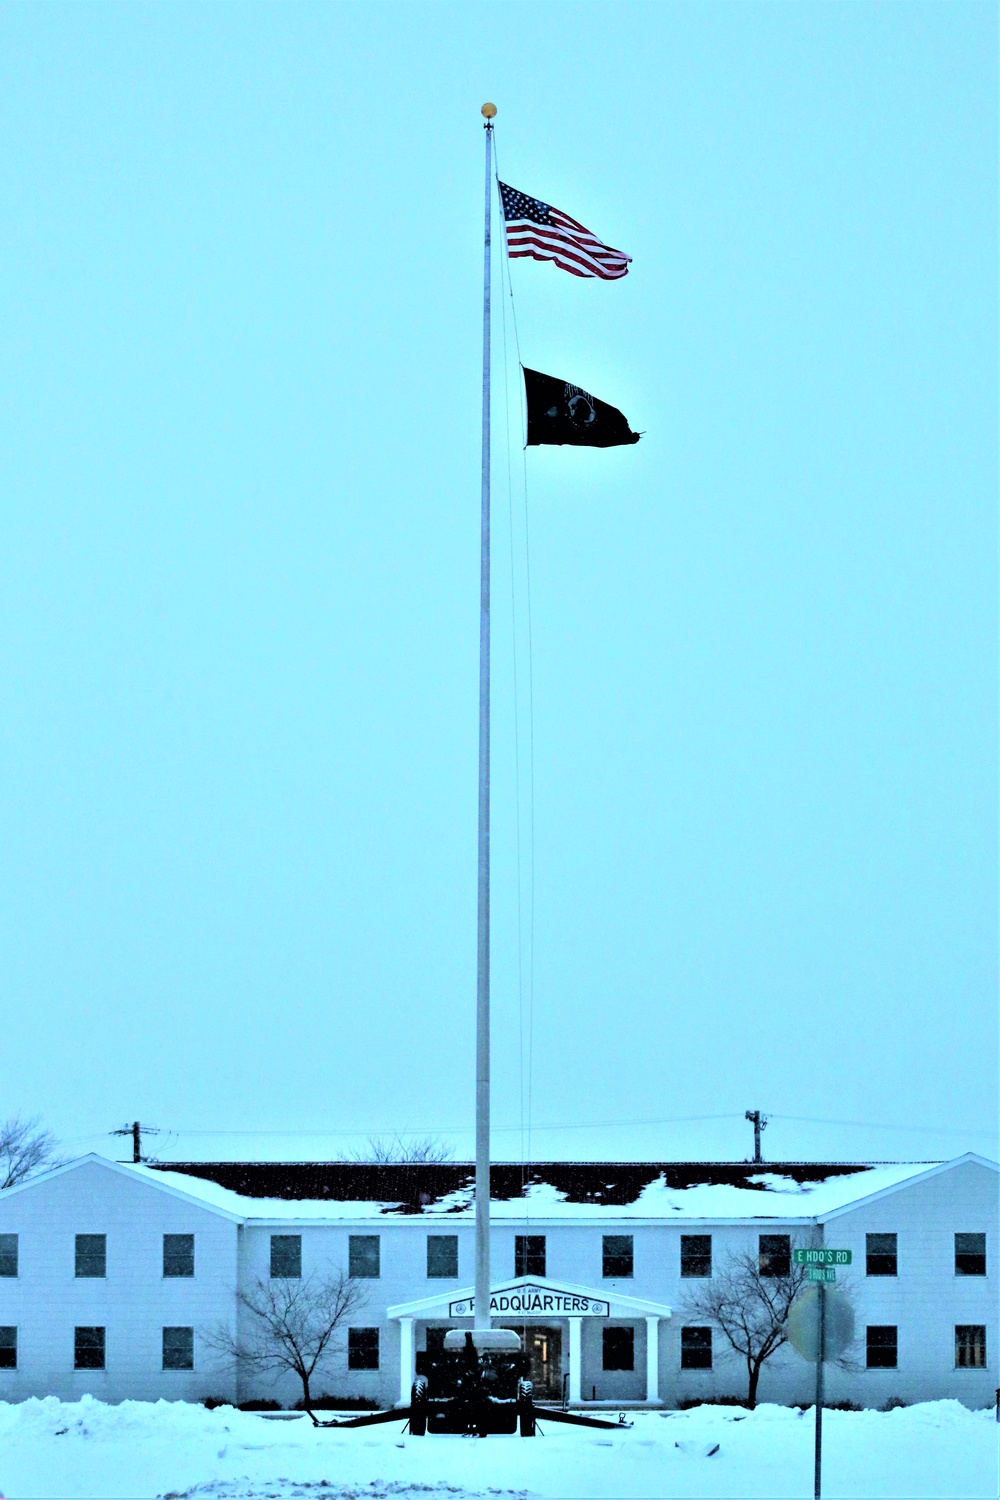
[93, 1159]
[969, 1159]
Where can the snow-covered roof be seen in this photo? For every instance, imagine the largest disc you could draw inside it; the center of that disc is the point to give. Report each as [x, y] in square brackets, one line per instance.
[594, 1191]
[547, 1193]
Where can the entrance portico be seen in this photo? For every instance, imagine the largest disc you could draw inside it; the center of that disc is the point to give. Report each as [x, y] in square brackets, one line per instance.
[529, 1304]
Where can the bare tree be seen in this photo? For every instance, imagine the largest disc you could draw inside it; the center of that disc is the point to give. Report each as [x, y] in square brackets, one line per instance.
[25, 1148]
[395, 1151]
[291, 1325]
[751, 1309]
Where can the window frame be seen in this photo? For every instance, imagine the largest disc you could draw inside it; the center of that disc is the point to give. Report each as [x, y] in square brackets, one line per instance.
[526, 1250]
[355, 1356]
[440, 1240]
[288, 1239]
[969, 1344]
[5, 1253]
[619, 1257]
[627, 1337]
[176, 1328]
[178, 1275]
[768, 1274]
[882, 1255]
[705, 1346]
[79, 1259]
[353, 1263]
[872, 1345]
[77, 1346]
[968, 1234]
[694, 1255]
[11, 1346]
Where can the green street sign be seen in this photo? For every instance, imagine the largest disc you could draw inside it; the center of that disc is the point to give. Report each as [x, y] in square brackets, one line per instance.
[821, 1257]
[820, 1273]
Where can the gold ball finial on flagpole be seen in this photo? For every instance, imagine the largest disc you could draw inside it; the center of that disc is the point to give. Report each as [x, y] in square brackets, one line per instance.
[488, 111]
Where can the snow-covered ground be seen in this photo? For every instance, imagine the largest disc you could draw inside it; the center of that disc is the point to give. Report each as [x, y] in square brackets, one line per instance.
[51, 1450]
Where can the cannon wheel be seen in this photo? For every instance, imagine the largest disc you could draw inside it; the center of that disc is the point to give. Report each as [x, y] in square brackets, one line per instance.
[525, 1408]
[418, 1407]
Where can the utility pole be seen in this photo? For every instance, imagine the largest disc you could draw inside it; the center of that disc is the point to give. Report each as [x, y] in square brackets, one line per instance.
[135, 1131]
[759, 1124]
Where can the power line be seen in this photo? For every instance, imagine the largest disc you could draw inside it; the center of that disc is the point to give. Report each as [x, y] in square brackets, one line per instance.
[449, 1129]
[875, 1125]
[569, 1125]
[586, 1125]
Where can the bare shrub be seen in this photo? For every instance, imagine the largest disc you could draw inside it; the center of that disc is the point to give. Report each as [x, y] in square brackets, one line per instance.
[751, 1310]
[25, 1149]
[390, 1151]
[292, 1325]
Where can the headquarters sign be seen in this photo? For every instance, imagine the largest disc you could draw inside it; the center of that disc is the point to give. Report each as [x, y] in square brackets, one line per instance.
[524, 1301]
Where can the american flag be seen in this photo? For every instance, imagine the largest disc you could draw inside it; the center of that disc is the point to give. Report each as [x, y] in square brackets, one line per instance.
[543, 232]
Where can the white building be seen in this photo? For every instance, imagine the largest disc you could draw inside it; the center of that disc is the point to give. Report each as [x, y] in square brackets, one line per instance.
[111, 1275]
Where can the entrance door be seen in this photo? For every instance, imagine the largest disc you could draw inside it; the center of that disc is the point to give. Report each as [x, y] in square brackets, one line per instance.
[543, 1345]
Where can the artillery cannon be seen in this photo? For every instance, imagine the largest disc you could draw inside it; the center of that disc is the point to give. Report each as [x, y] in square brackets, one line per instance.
[478, 1383]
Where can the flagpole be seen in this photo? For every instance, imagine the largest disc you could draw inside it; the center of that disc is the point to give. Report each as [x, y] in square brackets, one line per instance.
[481, 1305]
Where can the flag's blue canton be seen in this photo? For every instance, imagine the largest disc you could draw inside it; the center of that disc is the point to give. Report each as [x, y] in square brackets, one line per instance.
[519, 206]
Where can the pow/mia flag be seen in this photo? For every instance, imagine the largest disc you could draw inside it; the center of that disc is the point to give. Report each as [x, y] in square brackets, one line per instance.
[559, 412]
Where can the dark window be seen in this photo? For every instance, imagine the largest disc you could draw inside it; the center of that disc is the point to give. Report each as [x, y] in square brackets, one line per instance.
[8, 1254]
[970, 1255]
[619, 1348]
[435, 1340]
[696, 1255]
[442, 1255]
[970, 1346]
[286, 1256]
[88, 1349]
[92, 1255]
[696, 1348]
[775, 1255]
[880, 1255]
[364, 1260]
[881, 1346]
[8, 1348]
[529, 1255]
[362, 1348]
[178, 1348]
[178, 1255]
[618, 1259]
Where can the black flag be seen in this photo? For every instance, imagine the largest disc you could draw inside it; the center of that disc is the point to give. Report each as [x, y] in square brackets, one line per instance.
[559, 412]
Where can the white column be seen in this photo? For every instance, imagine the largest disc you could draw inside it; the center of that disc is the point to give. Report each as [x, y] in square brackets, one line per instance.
[575, 1357]
[652, 1359]
[406, 1360]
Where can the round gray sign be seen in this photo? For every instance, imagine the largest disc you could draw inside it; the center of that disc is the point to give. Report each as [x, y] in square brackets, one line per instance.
[803, 1324]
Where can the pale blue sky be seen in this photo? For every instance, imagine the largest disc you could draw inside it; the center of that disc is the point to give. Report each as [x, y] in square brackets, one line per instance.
[241, 311]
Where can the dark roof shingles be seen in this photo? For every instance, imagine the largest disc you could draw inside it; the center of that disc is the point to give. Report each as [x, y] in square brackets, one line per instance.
[407, 1188]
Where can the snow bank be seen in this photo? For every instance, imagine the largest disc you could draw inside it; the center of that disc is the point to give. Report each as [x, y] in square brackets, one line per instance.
[86, 1450]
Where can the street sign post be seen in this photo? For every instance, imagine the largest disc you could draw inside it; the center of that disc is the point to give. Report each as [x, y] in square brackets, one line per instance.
[818, 1453]
[820, 1327]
